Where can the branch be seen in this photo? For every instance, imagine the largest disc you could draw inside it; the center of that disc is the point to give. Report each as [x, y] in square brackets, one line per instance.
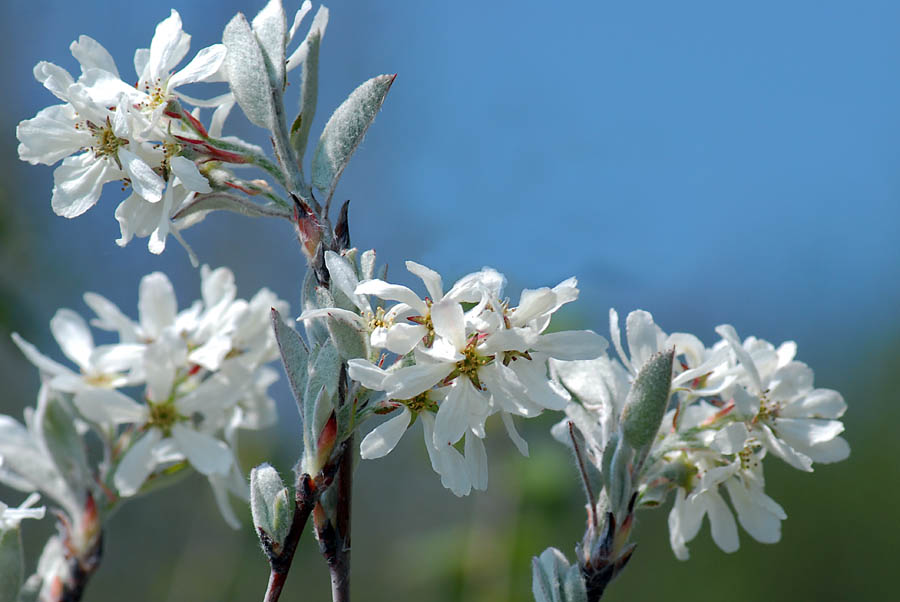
[306, 496]
[81, 571]
[340, 567]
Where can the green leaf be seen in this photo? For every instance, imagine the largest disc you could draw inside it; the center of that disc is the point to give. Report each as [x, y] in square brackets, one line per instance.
[350, 341]
[12, 563]
[367, 265]
[270, 27]
[247, 73]
[295, 357]
[224, 201]
[345, 130]
[309, 92]
[309, 299]
[573, 585]
[63, 442]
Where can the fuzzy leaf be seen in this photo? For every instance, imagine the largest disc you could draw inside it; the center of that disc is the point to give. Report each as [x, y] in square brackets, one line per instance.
[573, 585]
[64, 443]
[309, 92]
[223, 201]
[247, 73]
[349, 341]
[315, 329]
[270, 27]
[12, 563]
[367, 265]
[345, 130]
[295, 358]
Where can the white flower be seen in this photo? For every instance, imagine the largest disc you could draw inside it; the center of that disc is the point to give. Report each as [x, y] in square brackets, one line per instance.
[139, 217]
[792, 419]
[167, 419]
[468, 364]
[155, 66]
[96, 144]
[106, 366]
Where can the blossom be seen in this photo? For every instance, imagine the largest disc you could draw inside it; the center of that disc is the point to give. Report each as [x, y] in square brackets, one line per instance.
[792, 419]
[733, 403]
[96, 144]
[202, 372]
[460, 364]
[109, 130]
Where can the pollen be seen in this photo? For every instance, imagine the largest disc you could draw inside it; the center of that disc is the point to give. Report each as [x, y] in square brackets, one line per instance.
[163, 416]
[106, 143]
[378, 319]
[471, 363]
[156, 93]
[420, 403]
[767, 408]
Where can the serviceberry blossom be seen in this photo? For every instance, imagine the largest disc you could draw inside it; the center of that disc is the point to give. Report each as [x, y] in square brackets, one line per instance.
[463, 355]
[202, 369]
[731, 405]
[110, 130]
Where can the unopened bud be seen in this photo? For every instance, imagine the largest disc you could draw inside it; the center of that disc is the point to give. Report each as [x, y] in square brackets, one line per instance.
[309, 229]
[647, 400]
[327, 439]
[272, 507]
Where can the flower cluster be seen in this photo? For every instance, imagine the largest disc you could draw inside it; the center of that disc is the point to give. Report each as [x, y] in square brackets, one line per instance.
[200, 371]
[107, 130]
[734, 403]
[462, 355]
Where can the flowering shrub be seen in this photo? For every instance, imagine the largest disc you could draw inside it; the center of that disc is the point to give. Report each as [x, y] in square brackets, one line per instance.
[670, 416]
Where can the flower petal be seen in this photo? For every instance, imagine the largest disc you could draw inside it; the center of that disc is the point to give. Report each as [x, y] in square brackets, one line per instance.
[137, 464]
[432, 280]
[572, 345]
[476, 462]
[105, 406]
[207, 454]
[392, 292]
[449, 322]
[408, 382]
[157, 306]
[383, 438]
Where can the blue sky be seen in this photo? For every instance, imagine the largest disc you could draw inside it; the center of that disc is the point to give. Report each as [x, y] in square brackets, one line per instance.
[710, 162]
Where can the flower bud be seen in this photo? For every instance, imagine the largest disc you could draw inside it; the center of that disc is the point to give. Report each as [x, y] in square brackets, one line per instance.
[554, 579]
[647, 401]
[272, 507]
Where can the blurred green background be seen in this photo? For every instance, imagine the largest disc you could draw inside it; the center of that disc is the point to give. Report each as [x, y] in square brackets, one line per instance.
[710, 164]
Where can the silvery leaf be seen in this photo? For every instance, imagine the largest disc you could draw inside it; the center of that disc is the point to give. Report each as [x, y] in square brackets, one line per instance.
[247, 73]
[345, 130]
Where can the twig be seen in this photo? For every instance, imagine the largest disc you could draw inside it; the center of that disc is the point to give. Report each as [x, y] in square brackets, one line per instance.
[306, 496]
[82, 569]
[339, 568]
